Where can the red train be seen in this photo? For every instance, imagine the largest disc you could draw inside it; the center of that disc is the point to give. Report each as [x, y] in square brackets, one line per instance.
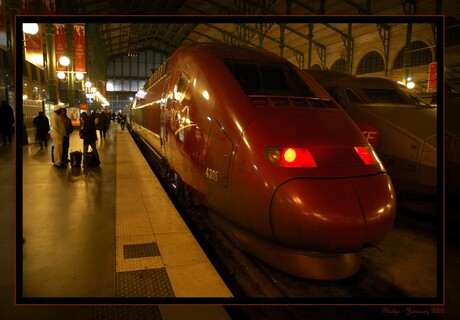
[282, 169]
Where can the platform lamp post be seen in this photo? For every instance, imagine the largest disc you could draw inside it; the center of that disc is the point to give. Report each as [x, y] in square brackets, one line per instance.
[87, 94]
[30, 29]
[71, 77]
[93, 94]
[90, 90]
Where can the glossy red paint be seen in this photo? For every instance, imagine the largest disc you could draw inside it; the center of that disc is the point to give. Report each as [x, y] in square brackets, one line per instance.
[213, 125]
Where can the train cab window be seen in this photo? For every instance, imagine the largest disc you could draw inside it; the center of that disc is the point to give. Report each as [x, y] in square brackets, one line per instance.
[383, 95]
[352, 96]
[417, 100]
[271, 79]
[333, 94]
[181, 87]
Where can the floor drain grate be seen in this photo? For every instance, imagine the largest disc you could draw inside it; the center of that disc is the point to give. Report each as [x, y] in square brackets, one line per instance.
[125, 313]
[144, 283]
[140, 250]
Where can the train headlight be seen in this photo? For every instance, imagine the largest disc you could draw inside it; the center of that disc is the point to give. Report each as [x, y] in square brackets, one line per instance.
[290, 157]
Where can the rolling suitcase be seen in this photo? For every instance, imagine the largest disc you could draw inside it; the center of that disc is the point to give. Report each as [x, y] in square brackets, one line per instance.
[92, 160]
[75, 158]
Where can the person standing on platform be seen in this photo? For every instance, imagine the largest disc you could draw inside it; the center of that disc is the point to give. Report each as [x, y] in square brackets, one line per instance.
[122, 121]
[103, 123]
[58, 133]
[6, 122]
[68, 132]
[42, 125]
[89, 139]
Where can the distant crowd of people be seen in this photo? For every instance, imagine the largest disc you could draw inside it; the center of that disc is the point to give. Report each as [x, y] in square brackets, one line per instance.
[60, 128]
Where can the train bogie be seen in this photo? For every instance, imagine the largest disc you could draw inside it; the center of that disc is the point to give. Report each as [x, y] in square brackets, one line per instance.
[282, 168]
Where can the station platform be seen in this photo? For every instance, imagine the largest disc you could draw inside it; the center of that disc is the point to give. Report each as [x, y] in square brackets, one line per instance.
[112, 233]
[109, 232]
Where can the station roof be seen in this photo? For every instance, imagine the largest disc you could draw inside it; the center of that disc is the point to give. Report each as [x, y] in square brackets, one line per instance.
[239, 21]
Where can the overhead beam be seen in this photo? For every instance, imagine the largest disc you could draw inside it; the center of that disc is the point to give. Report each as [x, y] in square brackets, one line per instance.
[384, 32]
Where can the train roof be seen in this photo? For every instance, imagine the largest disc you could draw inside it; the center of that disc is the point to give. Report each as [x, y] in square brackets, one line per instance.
[328, 75]
[230, 51]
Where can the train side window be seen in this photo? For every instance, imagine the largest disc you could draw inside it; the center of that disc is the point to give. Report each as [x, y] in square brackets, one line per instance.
[333, 94]
[180, 88]
[352, 96]
[182, 84]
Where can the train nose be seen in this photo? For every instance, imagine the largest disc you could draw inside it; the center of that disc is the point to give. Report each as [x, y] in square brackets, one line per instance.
[333, 215]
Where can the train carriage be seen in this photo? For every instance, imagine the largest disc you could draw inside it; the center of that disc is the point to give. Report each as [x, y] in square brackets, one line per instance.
[282, 169]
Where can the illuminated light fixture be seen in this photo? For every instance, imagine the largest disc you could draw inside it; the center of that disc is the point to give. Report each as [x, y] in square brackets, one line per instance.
[93, 89]
[79, 76]
[30, 28]
[88, 84]
[410, 85]
[290, 157]
[206, 95]
[24, 97]
[61, 75]
[64, 61]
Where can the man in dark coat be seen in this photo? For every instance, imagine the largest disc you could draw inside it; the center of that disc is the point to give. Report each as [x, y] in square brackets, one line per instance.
[42, 125]
[6, 122]
[89, 139]
[68, 132]
[103, 123]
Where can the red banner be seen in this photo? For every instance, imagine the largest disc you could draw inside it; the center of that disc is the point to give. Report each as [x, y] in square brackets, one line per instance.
[59, 44]
[48, 7]
[103, 89]
[79, 47]
[26, 7]
[34, 48]
[432, 78]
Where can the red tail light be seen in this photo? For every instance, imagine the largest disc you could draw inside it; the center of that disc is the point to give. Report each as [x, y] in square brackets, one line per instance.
[322, 157]
[290, 157]
[367, 155]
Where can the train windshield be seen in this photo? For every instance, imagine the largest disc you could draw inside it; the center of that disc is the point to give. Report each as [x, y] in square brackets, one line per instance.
[267, 78]
[384, 95]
